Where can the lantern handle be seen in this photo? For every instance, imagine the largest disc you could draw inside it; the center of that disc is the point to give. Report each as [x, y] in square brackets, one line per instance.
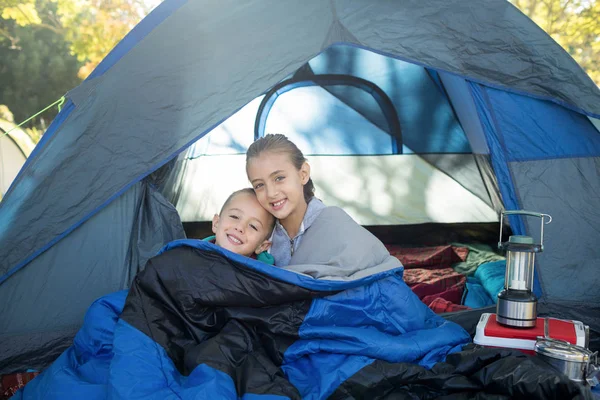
[528, 213]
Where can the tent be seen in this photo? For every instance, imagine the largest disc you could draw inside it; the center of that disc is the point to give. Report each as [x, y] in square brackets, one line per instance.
[15, 147]
[450, 110]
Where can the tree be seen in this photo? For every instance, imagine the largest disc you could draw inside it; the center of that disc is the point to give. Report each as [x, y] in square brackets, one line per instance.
[48, 46]
[92, 27]
[36, 69]
[573, 24]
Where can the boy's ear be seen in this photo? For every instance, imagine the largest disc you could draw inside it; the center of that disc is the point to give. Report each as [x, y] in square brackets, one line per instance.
[304, 173]
[215, 223]
[264, 246]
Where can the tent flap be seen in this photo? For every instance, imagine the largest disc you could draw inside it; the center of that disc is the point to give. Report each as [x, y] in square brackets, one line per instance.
[99, 257]
[567, 189]
[534, 129]
[489, 41]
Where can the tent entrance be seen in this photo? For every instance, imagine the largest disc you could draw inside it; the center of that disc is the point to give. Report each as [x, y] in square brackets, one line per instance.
[383, 136]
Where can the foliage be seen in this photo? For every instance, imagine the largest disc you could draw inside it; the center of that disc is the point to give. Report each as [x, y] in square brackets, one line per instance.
[48, 46]
[91, 27]
[36, 73]
[94, 27]
[574, 24]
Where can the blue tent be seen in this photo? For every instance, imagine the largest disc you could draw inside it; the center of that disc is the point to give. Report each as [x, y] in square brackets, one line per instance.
[450, 110]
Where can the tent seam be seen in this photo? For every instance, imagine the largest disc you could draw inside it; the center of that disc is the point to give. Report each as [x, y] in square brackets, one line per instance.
[499, 134]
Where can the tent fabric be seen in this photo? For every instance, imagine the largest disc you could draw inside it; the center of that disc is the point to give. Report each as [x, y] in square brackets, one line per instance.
[35, 350]
[595, 122]
[536, 130]
[467, 172]
[498, 155]
[286, 337]
[463, 37]
[140, 103]
[137, 34]
[490, 181]
[53, 292]
[456, 87]
[350, 122]
[360, 87]
[499, 163]
[410, 191]
[190, 65]
[56, 122]
[137, 100]
[536, 188]
[338, 128]
[428, 126]
[567, 189]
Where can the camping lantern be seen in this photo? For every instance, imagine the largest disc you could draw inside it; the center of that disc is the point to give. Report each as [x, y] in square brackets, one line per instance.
[517, 305]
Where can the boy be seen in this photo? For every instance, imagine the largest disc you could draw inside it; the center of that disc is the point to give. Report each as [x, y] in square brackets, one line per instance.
[243, 226]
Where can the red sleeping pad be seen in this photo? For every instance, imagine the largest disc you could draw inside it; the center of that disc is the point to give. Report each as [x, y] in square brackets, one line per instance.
[428, 272]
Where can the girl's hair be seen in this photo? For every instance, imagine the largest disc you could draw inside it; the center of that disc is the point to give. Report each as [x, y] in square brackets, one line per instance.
[278, 143]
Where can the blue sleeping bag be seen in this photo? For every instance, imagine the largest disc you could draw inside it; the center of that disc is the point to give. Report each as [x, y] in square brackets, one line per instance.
[491, 276]
[483, 287]
[475, 295]
[201, 322]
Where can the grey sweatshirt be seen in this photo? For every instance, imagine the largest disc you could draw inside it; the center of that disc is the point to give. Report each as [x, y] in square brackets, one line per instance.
[283, 246]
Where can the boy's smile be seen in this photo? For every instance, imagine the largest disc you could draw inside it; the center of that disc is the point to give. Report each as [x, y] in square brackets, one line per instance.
[243, 225]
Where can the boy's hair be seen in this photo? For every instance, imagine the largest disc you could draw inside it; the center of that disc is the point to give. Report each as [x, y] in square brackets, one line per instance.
[232, 196]
[251, 192]
[279, 143]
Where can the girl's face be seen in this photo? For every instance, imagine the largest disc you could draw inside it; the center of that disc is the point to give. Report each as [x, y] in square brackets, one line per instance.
[278, 184]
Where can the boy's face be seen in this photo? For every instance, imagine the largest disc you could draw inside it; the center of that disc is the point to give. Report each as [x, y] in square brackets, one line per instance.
[243, 226]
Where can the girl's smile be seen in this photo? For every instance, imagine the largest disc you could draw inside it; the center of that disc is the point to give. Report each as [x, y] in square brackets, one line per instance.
[279, 187]
[278, 205]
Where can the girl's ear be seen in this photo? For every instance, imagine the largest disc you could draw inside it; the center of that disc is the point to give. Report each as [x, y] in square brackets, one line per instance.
[264, 246]
[304, 173]
[215, 223]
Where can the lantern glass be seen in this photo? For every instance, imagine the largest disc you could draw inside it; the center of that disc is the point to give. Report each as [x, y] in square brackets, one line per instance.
[519, 270]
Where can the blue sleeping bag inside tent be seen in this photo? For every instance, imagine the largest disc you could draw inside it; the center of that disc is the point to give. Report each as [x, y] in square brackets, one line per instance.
[299, 334]
[483, 287]
[491, 275]
[200, 322]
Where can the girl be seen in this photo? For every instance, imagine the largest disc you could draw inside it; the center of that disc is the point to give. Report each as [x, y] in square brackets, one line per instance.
[280, 177]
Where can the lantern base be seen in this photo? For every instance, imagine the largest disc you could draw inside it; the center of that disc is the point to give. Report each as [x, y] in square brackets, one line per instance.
[516, 308]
